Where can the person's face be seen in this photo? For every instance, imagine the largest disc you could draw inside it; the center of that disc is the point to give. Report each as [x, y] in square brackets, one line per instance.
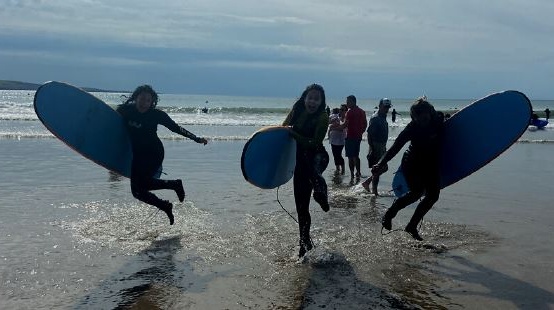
[144, 102]
[384, 108]
[423, 119]
[312, 101]
[349, 104]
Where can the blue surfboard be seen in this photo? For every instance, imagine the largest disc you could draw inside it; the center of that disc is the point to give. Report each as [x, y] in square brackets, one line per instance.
[539, 123]
[269, 157]
[86, 124]
[471, 140]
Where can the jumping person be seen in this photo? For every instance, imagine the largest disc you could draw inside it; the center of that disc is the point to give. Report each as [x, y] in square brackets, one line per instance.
[141, 120]
[420, 164]
[309, 120]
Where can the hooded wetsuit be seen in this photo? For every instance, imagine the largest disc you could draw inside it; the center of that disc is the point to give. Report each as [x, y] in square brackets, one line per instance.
[148, 150]
[420, 165]
[312, 159]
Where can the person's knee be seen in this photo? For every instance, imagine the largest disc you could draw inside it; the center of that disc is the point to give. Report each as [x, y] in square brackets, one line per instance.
[432, 196]
[138, 194]
[137, 190]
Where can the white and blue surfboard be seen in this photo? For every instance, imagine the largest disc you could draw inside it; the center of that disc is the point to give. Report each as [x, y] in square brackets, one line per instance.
[471, 140]
[269, 157]
[86, 124]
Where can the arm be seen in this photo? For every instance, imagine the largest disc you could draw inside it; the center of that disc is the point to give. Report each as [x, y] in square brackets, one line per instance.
[319, 135]
[370, 133]
[400, 141]
[170, 124]
[334, 124]
[287, 120]
[345, 124]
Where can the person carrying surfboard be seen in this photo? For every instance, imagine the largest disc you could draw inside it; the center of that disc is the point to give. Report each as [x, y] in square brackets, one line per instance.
[142, 120]
[308, 123]
[420, 164]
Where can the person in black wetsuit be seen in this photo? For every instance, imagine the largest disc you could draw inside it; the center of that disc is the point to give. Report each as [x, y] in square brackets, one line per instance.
[420, 164]
[141, 120]
[309, 121]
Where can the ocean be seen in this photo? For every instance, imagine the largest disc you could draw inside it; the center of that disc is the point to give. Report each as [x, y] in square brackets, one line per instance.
[73, 237]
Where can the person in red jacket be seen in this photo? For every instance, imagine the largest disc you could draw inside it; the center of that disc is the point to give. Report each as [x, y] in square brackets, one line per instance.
[355, 123]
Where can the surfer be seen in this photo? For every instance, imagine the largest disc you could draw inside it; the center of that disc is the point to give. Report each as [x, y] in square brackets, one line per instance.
[393, 115]
[141, 120]
[420, 164]
[308, 121]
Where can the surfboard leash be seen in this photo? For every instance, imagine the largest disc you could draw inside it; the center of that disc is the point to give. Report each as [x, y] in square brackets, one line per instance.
[152, 214]
[279, 201]
[284, 207]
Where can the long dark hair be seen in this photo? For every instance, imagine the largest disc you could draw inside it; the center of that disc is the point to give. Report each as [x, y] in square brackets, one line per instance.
[299, 106]
[128, 100]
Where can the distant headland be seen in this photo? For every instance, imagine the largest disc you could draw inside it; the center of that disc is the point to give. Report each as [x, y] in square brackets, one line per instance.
[16, 85]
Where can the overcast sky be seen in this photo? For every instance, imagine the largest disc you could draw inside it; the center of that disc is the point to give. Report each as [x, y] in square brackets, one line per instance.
[392, 48]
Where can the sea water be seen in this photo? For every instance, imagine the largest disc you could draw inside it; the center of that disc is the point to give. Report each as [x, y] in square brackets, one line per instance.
[73, 237]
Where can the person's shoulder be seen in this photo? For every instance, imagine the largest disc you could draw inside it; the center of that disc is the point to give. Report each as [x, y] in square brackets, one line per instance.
[361, 112]
[125, 110]
[159, 112]
[122, 107]
[324, 117]
[411, 125]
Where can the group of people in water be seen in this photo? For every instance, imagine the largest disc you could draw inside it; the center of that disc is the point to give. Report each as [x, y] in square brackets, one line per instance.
[309, 123]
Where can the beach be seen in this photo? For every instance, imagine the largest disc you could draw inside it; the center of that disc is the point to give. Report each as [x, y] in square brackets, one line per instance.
[73, 237]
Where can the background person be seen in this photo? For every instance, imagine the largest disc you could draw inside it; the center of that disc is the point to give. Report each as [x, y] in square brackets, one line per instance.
[377, 136]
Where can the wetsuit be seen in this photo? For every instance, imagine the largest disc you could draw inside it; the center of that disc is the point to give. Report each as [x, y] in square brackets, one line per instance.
[148, 151]
[311, 160]
[420, 165]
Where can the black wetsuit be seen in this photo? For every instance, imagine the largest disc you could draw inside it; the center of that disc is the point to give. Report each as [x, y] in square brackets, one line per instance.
[420, 165]
[148, 151]
[311, 160]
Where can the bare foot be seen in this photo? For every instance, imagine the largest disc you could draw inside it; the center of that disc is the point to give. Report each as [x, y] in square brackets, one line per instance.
[366, 183]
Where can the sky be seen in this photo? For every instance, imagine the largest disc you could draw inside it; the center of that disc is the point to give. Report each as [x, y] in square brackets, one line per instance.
[445, 49]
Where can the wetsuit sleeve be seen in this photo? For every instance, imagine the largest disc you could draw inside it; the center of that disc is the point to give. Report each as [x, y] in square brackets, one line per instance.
[400, 141]
[319, 135]
[165, 120]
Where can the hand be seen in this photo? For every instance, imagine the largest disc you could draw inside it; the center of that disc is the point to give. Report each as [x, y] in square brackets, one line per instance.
[201, 140]
[379, 169]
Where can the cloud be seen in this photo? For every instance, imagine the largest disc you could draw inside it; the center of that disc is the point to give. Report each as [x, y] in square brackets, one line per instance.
[446, 37]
